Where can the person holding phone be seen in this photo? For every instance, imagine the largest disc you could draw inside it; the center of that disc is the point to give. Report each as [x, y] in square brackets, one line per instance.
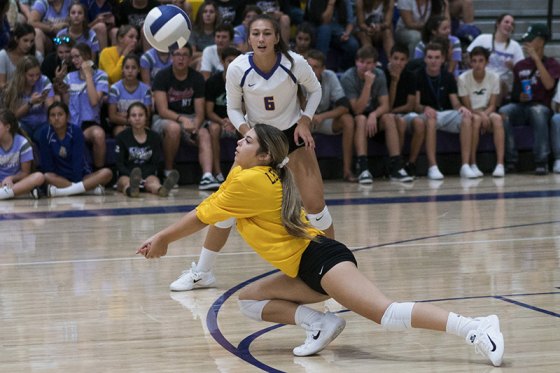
[28, 95]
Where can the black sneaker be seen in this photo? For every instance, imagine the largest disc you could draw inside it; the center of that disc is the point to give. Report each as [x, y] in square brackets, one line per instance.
[410, 169]
[401, 176]
[208, 183]
[35, 193]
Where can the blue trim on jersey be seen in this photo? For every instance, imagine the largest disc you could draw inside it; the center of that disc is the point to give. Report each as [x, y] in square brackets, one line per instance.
[289, 72]
[245, 76]
[262, 73]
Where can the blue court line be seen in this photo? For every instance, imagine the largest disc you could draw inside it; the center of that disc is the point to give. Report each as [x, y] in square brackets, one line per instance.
[242, 350]
[151, 210]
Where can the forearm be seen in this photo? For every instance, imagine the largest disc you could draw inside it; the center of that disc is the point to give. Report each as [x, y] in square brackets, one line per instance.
[186, 226]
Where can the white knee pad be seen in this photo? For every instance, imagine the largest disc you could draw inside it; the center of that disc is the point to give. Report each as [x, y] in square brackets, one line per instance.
[226, 223]
[322, 220]
[398, 316]
[252, 308]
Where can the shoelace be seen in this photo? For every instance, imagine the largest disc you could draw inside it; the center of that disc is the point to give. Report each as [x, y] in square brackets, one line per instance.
[481, 345]
[192, 272]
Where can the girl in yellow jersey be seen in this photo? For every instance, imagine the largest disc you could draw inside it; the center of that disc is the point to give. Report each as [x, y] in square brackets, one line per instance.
[261, 195]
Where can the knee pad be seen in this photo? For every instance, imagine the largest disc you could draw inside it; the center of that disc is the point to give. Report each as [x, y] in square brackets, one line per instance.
[322, 220]
[252, 308]
[226, 223]
[398, 316]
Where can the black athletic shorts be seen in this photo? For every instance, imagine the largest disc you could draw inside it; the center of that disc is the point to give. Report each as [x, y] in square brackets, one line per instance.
[319, 257]
[290, 135]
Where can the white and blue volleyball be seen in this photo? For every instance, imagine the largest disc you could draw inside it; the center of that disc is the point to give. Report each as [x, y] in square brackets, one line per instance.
[167, 27]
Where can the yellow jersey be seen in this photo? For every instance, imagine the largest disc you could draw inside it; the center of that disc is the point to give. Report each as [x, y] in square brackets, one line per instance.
[254, 197]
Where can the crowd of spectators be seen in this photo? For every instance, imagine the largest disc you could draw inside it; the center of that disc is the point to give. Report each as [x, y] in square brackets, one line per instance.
[71, 70]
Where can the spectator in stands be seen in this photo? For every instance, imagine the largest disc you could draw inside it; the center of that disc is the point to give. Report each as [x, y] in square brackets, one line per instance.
[402, 97]
[460, 12]
[413, 17]
[48, 17]
[59, 63]
[5, 28]
[211, 62]
[332, 116]
[79, 30]
[375, 23]
[504, 53]
[138, 151]
[21, 44]
[16, 160]
[440, 108]
[540, 73]
[134, 12]
[125, 92]
[28, 95]
[25, 9]
[555, 130]
[479, 90]
[440, 27]
[280, 11]
[151, 62]
[179, 100]
[230, 10]
[101, 18]
[303, 41]
[365, 86]
[218, 122]
[240, 35]
[202, 35]
[63, 157]
[111, 58]
[333, 22]
[86, 89]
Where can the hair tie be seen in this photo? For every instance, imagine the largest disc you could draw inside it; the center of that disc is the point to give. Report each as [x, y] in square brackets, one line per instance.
[283, 163]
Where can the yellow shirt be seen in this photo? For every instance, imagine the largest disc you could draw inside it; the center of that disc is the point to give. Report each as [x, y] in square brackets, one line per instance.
[254, 197]
[111, 63]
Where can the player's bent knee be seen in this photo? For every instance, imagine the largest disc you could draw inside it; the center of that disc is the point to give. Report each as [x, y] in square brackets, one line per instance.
[225, 224]
[322, 220]
[398, 316]
[252, 308]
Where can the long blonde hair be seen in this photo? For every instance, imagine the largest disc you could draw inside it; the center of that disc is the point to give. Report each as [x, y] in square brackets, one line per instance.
[273, 142]
[16, 86]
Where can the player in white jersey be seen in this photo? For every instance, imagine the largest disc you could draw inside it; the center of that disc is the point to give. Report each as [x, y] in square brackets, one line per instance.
[265, 82]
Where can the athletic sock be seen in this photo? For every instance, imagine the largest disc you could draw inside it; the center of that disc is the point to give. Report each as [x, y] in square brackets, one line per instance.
[362, 163]
[460, 325]
[206, 260]
[75, 188]
[6, 193]
[307, 316]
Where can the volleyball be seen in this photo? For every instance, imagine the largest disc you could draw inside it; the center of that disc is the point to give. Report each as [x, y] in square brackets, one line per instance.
[167, 27]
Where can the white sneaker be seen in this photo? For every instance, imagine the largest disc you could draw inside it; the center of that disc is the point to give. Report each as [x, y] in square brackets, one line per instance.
[499, 171]
[51, 191]
[476, 170]
[434, 173]
[556, 167]
[488, 339]
[99, 190]
[365, 177]
[191, 278]
[467, 172]
[320, 334]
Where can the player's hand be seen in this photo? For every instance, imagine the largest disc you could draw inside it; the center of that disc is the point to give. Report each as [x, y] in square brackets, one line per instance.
[466, 113]
[430, 113]
[303, 132]
[8, 181]
[228, 126]
[369, 77]
[153, 247]
[371, 125]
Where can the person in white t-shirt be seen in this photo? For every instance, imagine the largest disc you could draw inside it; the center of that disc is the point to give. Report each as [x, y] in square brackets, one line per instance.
[211, 62]
[504, 53]
[478, 90]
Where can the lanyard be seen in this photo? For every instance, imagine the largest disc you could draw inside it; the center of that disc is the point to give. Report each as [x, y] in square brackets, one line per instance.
[436, 91]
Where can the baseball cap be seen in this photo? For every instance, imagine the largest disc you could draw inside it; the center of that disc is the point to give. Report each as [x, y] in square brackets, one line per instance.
[534, 31]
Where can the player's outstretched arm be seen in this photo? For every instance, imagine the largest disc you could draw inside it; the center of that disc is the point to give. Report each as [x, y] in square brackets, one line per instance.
[156, 246]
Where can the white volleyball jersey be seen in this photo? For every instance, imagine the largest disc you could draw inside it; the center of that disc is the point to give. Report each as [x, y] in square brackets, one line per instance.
[270, 98]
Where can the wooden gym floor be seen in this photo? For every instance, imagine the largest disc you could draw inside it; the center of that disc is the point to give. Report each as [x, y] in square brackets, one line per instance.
[75, 298]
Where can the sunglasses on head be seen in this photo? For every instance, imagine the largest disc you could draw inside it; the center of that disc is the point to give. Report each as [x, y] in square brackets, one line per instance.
[58, 40]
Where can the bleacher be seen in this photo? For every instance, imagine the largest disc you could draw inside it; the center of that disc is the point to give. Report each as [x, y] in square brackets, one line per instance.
[329, 148]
